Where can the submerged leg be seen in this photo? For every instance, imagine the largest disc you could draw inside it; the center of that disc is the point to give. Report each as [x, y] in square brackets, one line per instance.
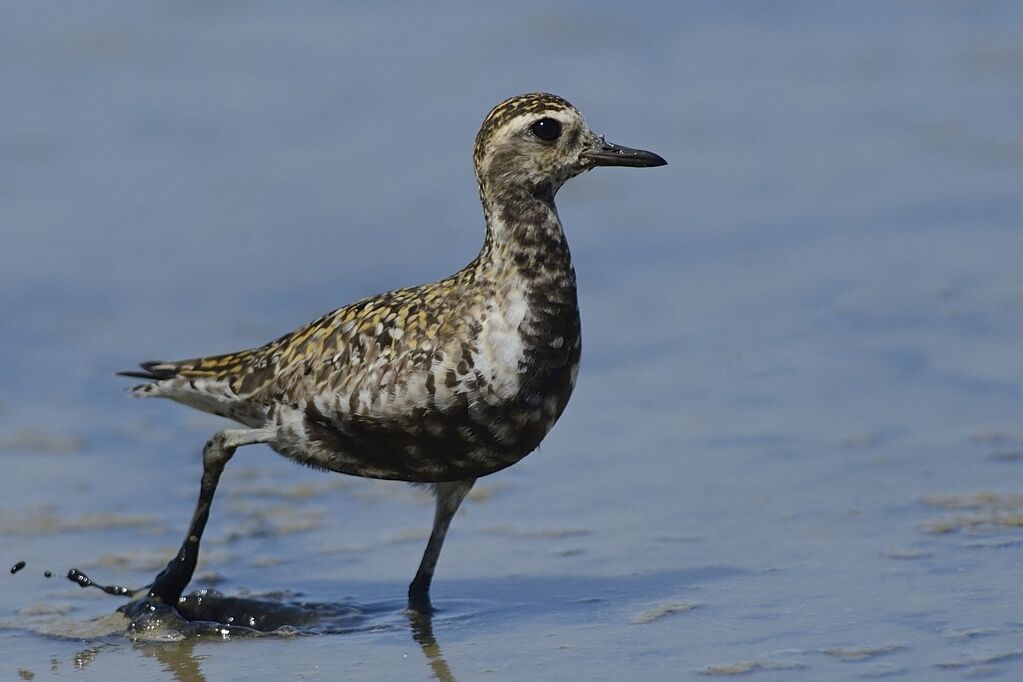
[449, 497]
[173, 580]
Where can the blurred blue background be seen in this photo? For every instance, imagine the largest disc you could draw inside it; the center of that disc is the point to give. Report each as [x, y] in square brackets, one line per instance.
[795, 443]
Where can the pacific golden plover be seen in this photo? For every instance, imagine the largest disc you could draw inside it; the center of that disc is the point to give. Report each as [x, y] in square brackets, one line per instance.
[437, 384]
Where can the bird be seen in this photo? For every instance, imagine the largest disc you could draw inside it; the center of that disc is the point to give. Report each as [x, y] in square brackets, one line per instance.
[438, 384]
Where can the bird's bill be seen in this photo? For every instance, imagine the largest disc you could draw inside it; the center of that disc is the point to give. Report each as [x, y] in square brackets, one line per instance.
[607, 154]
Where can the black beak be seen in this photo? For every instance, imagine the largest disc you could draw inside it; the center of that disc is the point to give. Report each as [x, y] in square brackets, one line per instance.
[607, 154]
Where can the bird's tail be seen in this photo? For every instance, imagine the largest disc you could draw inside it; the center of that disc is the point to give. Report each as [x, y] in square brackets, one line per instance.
[157, 372]
[189, 375]
[201, 383]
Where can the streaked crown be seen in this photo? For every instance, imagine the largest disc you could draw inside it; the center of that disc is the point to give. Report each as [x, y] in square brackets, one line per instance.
[532, 140]
[520, 105]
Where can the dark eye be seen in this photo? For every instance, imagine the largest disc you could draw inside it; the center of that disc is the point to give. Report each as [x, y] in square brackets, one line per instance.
[546, 129]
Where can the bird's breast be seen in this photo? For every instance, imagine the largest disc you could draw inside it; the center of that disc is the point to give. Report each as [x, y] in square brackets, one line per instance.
[495, 385]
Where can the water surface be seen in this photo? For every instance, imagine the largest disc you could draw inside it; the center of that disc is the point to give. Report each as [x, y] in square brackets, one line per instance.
[794, 450]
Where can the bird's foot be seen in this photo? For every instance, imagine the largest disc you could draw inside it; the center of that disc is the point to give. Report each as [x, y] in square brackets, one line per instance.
[419, 601]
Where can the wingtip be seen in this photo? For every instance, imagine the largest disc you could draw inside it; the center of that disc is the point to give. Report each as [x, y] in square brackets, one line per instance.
[135, 374]
[154, 371]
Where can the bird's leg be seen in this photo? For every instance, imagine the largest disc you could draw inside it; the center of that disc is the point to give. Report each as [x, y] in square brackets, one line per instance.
[172, 581]
[449, 497]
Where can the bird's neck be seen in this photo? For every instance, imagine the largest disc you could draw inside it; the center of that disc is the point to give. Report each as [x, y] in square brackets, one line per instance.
[524, 235]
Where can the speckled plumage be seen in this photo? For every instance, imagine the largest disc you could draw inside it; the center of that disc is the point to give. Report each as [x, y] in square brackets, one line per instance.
[441, 383]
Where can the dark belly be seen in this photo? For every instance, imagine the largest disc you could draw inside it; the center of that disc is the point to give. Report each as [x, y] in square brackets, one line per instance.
[468, 440]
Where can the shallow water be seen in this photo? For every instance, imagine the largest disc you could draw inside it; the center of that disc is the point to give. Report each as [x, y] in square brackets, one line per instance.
[794, 450]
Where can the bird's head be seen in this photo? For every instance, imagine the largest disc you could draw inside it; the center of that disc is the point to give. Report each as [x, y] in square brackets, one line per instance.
[538, 141]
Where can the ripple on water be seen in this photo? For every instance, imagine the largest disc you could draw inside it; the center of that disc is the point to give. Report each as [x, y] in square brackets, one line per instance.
[862, 653]
[976, 512]
[662, 610]
[209, 614]
[982, 659]
[34, 520]
[743, 667]
[906, 553]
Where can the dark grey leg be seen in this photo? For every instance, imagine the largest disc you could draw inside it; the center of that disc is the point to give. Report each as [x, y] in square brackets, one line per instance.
[449, 497]
[173, 580]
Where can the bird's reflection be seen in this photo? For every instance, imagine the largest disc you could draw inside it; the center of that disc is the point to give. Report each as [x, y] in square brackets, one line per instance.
[177, 658]
[422, 632]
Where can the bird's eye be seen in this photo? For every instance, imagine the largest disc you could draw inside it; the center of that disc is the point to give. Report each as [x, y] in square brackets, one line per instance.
[546, 129]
